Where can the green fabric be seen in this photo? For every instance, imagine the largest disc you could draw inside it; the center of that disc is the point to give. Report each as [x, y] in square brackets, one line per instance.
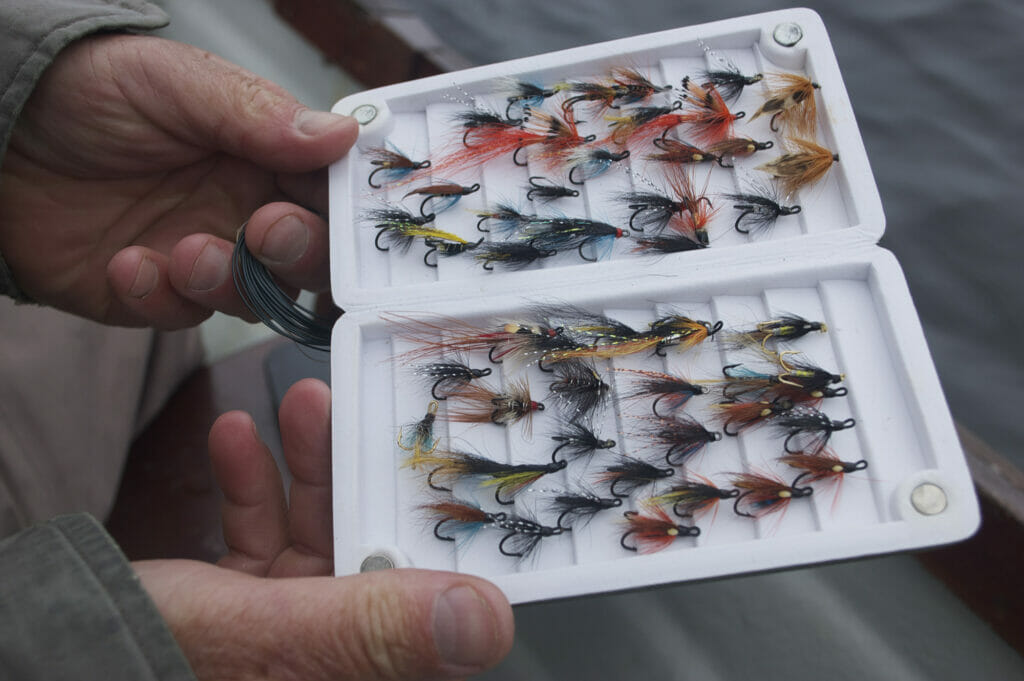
[71, 608]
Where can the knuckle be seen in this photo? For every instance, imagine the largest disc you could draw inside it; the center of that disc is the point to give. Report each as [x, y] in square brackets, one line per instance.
[389, 643]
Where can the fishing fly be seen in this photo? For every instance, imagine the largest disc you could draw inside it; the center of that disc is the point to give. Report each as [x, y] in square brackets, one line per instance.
[681, 436]
[626, 86]
[665, 244]
[545, 190]
[631, 474]
[736, 146]
[668, 331]
[668, 389]
[576, 439]
[392, 165]
[523, 535]
[580, 325]
[451, 467]
[562, 233]
[693, 222]
[644, 123]
[439, 247]
[800, 383]
[808, 430]
[708, 115]
[804, 164]
[736, 417]
[764, 493]
[441, 196]
[578, 389]
[726, 77]
[449, 376]
[677, 330]
[784, 327]
[512, 255]
[480, 403]
[526, 95]
[504, 217]
[790, 101]
[419, 439]
[652, 530]
[653, 211]
[462, 519]
[825, 466]
[695, 497]
[674, 152]
[487, 136]
[577, 509]
[760, 208]
[586, 163]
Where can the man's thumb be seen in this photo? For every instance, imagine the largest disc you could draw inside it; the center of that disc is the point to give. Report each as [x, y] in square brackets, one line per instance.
[391, 624]
[218, 105]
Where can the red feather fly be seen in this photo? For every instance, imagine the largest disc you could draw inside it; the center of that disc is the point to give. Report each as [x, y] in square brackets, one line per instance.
[764, 493]
[678, 153]
[694, 222]
[824, 467]
[735, 417]
[484, 140]
[654, 532]
[707, 114]
[643, 124]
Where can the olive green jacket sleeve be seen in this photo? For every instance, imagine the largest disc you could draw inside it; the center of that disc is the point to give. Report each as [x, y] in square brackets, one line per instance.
[32, 33]
[71, 608]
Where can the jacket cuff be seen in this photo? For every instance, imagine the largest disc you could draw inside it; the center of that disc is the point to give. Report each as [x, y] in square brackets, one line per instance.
[72, 608]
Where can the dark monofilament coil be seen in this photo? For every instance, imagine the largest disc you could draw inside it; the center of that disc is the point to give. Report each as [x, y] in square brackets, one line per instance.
[263, 296]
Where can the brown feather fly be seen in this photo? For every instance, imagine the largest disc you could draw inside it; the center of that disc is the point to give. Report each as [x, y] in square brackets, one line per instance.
[790, 101]
[805, 163]
[481, 403]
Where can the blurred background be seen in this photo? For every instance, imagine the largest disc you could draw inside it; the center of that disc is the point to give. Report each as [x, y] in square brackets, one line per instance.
[936, 88]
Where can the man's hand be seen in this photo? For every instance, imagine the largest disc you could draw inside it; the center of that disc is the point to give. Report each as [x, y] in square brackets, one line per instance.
[233, 621]
[134, 163]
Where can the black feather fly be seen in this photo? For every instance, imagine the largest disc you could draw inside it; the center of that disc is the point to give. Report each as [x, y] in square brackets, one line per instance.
[578, 389]
[449, 376]
[576, 440]
[631, 474]
[808, 430]
[577, 509]
[759, 209]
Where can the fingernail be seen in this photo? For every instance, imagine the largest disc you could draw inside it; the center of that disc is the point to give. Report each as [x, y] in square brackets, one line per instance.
[285, 242]
[209, 270]
[464, 628]
[313, 123]
[146, 278]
